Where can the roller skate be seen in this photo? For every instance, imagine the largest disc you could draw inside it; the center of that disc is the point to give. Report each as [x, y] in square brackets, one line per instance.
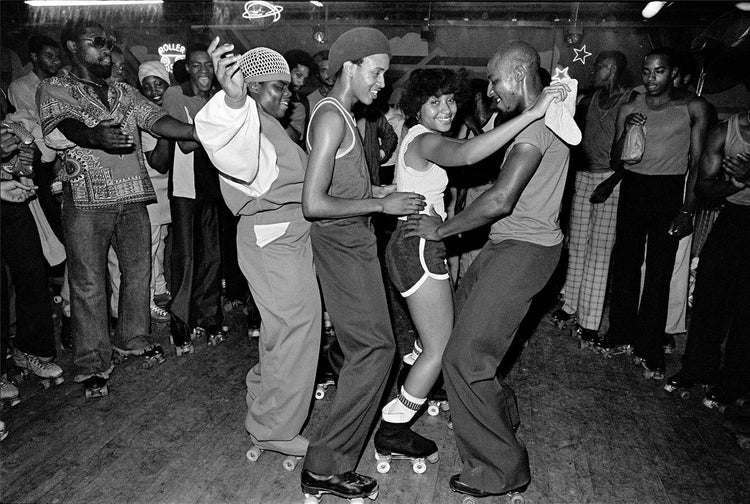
[158, 314]
[183, 348]
[294, 450]
[325, 377]
[472, 494]
[214, 335]
[231, 304]
[396, 441]
[152, 355]
[610, 349]
[95, 386]
[588, 338]
[349, 485]
[562, 319]
[437, 401]
[328, 328]
[719, 400]
[8, 392]
[163, 299]
[668, 343]
[253, 323]
[652, 370]
[3, 430]
[47, 371]
[411, 357]
[681, 383]
[739, 427]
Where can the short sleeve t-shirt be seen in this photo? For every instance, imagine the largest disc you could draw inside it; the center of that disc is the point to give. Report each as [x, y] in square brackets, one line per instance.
[536, 216]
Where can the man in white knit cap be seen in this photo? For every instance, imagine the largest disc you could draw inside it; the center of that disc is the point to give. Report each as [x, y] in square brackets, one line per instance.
[260, 174]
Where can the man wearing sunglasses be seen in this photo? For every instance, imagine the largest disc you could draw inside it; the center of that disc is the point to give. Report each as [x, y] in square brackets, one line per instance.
[94, 127]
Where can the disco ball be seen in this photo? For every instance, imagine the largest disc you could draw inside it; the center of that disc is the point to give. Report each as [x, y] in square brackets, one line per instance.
[319, 37]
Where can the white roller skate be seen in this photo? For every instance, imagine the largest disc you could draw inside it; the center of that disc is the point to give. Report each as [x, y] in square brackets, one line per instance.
[294, 450]
[48, 372]
[8, 392]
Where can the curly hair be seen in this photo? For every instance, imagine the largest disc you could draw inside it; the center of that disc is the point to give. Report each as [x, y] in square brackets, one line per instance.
[425, 83]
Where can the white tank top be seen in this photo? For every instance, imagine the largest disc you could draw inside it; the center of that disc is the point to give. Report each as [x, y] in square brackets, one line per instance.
[430, 183]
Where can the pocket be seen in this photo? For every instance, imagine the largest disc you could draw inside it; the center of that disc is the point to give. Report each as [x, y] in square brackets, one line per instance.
[266, 233]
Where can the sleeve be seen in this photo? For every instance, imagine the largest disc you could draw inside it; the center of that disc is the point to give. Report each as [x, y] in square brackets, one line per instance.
[173, 105]
[536, 134]
[389, 139]
[148, 142]
[146, 113]
[55, 105]
[232, 138]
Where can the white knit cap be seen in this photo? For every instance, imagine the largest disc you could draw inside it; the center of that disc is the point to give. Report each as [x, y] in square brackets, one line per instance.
[263, 65]
[152, 68]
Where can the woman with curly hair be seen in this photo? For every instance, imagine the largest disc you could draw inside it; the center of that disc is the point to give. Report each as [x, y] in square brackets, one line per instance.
[416, 266]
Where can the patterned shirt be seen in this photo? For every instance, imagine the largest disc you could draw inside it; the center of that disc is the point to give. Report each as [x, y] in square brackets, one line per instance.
[98, 178]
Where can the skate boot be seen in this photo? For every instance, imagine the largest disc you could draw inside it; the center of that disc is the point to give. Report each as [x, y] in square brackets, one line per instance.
[184, 348]
[438, 400]
[45, 369]
[349, 485]
[163, 299]
[180, 336]
[739, 427]
[588, 338]
[472, 494]
[396, 441]
[253, 323]
[215, 335]
[411, 357]
[152, 355]
[668, 343]
[652, 370]
[609, 348]
[294, 449]
[95, 386]
[682, 382]
[562, 319]
[8, 392]
[720, 400]
[158, 314]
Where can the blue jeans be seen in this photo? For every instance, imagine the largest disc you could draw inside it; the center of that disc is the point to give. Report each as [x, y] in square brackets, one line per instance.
[88, 234]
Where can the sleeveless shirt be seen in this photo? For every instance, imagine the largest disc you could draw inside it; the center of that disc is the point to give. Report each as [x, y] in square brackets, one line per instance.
[599, 133]
[733, 145]
[430, 183]
[667, 147]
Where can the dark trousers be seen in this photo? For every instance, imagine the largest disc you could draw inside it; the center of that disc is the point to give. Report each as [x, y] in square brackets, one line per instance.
[721, 305]
[195, 264]
[350, 277]
[23, 256]
[647, 207]
[492, 300]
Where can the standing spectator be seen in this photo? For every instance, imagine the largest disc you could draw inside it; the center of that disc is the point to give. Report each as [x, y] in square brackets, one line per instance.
[592, 217]
[45, 58]
[654, 205]
[95, 125]
[722, 287]
[325, 79]
[301, 65]
[194, 201]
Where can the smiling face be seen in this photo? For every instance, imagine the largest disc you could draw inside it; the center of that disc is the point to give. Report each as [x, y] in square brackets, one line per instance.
[505, 88]
[272, 96]
[369, 77]
[437, 112]
[153, 88]
[97, 60]
[201, 70]
[657, 74]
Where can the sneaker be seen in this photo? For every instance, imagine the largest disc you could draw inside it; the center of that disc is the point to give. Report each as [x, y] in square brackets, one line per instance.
[43, 368]
[158, 314]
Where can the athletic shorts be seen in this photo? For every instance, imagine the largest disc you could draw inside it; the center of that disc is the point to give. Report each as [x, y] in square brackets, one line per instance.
[410, 261]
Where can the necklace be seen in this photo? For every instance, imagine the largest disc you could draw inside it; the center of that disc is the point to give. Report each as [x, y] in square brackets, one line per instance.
[613, 107]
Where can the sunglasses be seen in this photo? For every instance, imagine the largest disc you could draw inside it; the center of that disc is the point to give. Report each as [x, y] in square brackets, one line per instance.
[100, 42]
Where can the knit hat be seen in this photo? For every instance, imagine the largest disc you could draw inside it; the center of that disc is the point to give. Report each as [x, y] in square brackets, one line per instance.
[263, 65]
[152, 68]
[355, 44]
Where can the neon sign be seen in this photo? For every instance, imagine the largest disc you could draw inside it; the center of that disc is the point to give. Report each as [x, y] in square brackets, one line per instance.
[259, 9]
[170, 53]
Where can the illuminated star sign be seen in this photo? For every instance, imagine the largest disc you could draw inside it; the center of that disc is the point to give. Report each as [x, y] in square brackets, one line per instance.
[579, 52]
[561, 73]
[257, 9]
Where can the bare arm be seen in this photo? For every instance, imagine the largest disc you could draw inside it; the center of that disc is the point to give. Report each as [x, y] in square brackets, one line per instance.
[498, 201]
[107, 135]
[160, 159]
[327, 132]
[711, 183]
[169, 127]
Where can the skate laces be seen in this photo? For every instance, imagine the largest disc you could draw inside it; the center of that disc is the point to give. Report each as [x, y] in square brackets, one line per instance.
[158, 310]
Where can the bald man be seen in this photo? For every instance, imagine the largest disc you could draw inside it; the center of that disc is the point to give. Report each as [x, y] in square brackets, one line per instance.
[523, 250]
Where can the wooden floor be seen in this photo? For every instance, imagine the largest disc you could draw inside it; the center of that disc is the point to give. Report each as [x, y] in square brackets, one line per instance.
[596, 432]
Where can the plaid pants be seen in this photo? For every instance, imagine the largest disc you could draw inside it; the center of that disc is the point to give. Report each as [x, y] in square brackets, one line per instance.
[590, 240]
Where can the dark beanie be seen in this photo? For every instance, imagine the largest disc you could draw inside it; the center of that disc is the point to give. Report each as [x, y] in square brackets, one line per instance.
[355, 44]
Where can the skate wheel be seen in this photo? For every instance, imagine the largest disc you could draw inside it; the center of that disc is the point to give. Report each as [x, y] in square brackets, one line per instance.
[517, 499]
[744, 443]
[228, 307]
[57, 299]
[46, 384]
[290, 463]
[311, 499]
[419, 467]
[445, 406]
[253, 454]
[383, 466]
[433, 410]
[320, 393]
[146, 365]
[685, 394]
[433, 458]
[450, 424]
[373, 495]
[469, 500]
[357, 500]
